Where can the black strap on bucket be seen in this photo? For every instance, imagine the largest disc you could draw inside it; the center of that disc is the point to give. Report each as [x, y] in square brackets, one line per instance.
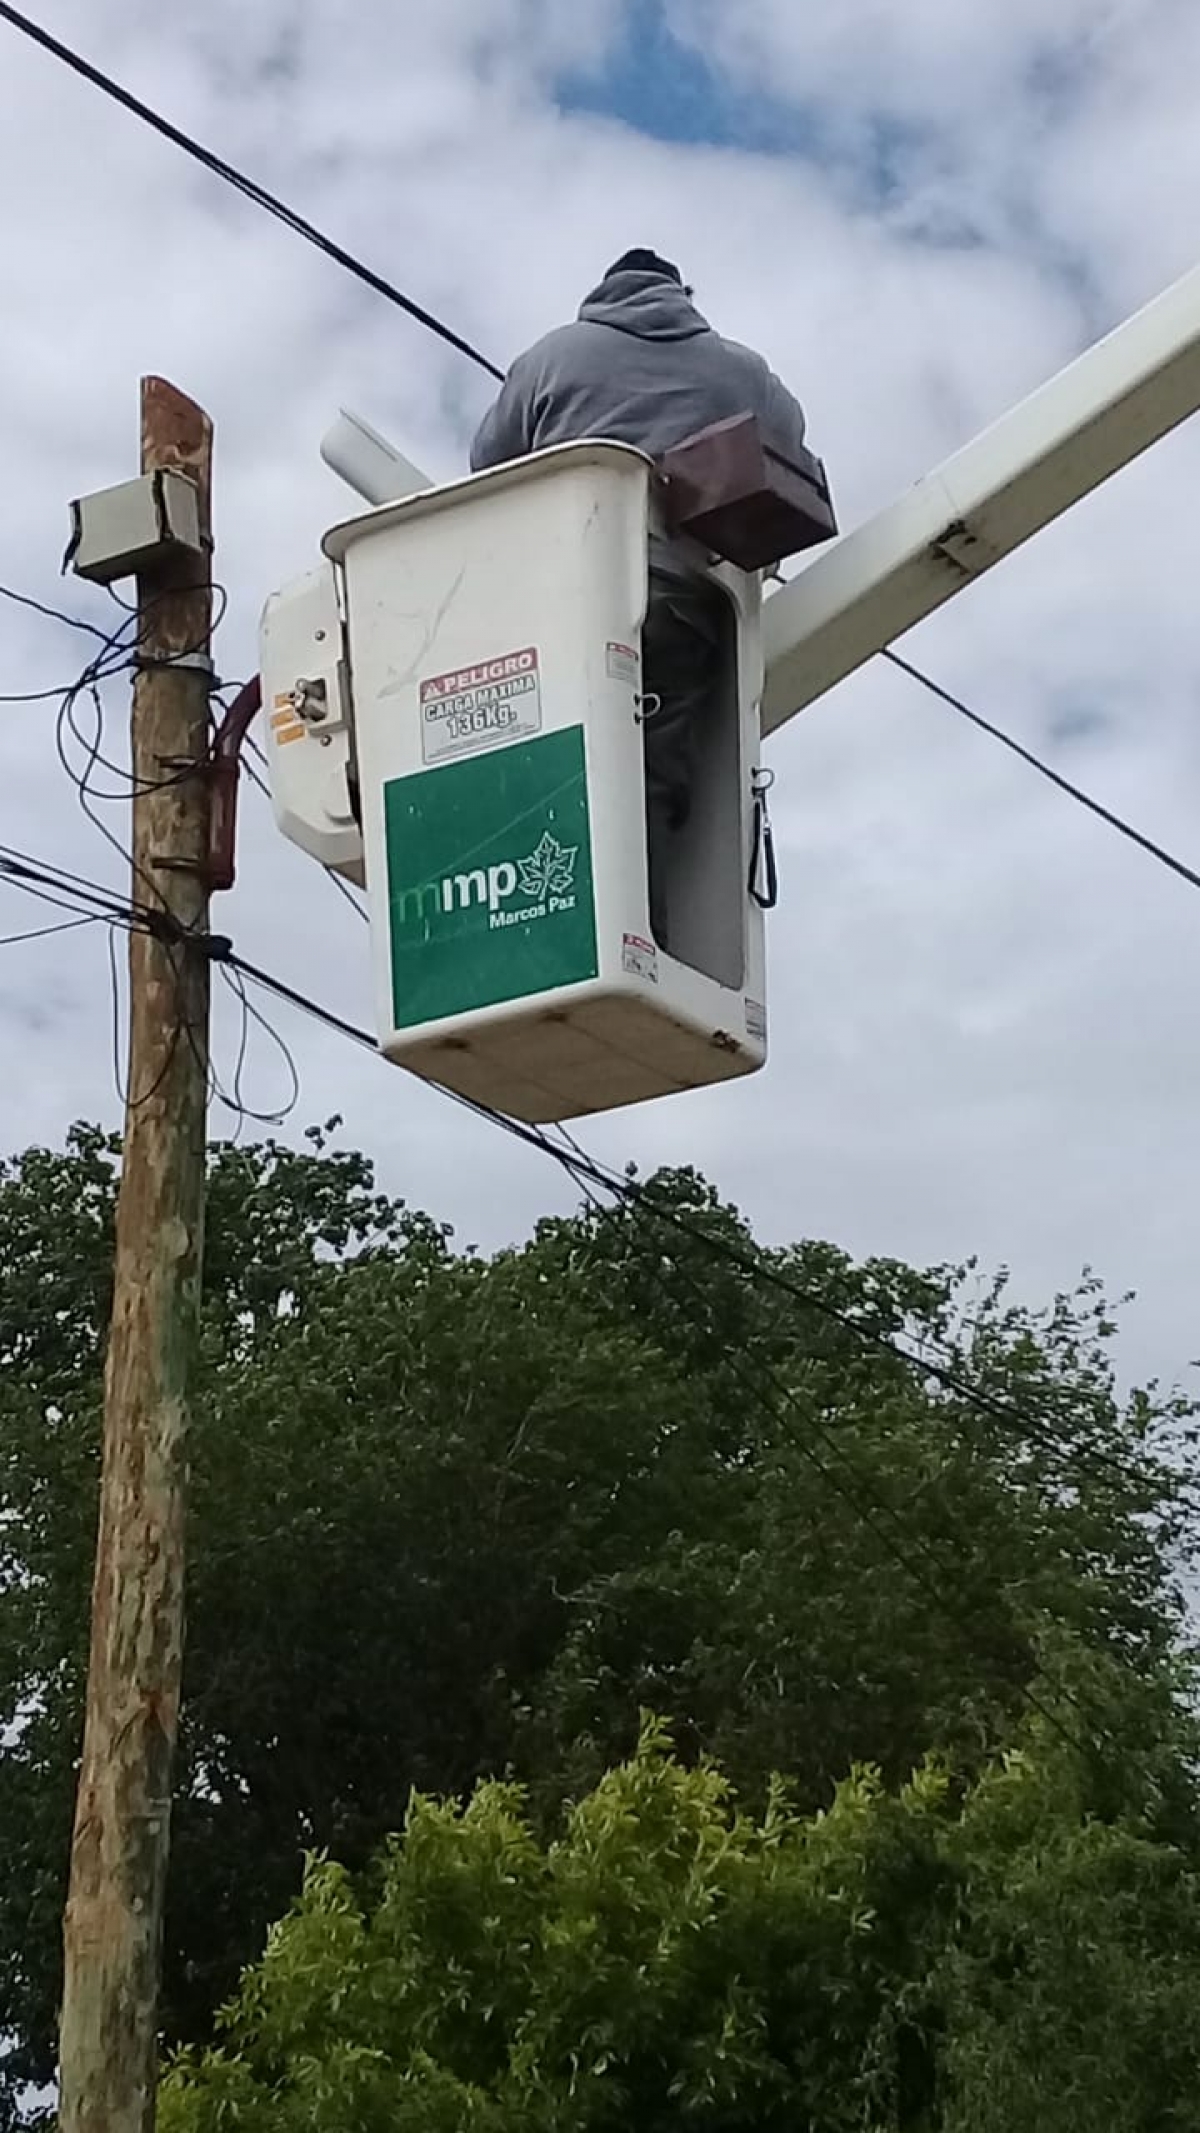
[764, 874]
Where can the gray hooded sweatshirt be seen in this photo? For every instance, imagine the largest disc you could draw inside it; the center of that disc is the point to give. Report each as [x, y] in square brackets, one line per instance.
[642, 366]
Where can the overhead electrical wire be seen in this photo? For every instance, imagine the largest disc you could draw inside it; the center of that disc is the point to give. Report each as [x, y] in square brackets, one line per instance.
[54, 614]
[344, 888]
[249, 187]
[588, 1171]
[39, 933]
[52, 884]
[1075, 792]
[118, 650]
[913, 1555]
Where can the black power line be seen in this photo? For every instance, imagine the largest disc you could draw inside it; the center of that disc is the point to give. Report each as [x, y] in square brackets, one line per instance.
[249, 187]
[39, 933]
[914, 1554]
[54, 614]
[344, 889]
[586, 1171]
[58, 885]
[1074, 792]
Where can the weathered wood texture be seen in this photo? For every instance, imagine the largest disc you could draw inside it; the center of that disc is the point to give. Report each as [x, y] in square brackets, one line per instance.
[113, 1924]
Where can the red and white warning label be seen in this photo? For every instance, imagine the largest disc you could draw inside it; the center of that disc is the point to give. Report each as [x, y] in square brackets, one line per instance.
[639, 957]
[480, 706]
[622, 663]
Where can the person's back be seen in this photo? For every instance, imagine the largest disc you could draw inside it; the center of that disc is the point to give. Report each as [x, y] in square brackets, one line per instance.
[641, 366]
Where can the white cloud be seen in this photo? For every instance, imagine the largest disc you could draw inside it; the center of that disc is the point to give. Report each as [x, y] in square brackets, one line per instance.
[985, 1036]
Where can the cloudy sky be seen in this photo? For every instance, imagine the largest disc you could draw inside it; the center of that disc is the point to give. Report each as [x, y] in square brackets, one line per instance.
[985, 1021]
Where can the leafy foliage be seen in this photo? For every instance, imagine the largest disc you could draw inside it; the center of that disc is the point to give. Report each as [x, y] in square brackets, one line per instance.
[921, 1960]
[454, 1517]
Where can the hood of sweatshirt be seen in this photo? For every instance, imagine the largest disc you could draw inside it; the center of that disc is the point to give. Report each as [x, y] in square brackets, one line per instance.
[648, 306]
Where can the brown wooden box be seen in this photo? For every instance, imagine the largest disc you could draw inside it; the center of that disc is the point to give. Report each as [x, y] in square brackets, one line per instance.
[745, 503]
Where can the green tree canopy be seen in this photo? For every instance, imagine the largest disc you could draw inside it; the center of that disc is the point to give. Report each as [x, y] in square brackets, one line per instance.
[948, 1958]
[454, 1517]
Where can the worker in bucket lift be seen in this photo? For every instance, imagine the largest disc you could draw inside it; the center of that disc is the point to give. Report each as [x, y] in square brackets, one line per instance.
[642, 366]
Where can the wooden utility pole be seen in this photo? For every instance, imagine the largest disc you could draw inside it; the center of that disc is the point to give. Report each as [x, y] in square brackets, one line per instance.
[113, 1925]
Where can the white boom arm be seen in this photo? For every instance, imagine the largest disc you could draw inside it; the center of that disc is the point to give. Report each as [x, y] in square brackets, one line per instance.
[870, 586]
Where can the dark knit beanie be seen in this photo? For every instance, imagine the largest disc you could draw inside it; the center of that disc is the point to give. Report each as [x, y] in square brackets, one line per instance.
[641, 261]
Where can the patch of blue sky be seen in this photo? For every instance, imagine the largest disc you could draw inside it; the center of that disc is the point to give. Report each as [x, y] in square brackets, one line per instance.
[663, 87]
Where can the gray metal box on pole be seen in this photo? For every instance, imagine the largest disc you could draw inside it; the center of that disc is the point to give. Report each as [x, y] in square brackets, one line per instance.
[137, 526]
